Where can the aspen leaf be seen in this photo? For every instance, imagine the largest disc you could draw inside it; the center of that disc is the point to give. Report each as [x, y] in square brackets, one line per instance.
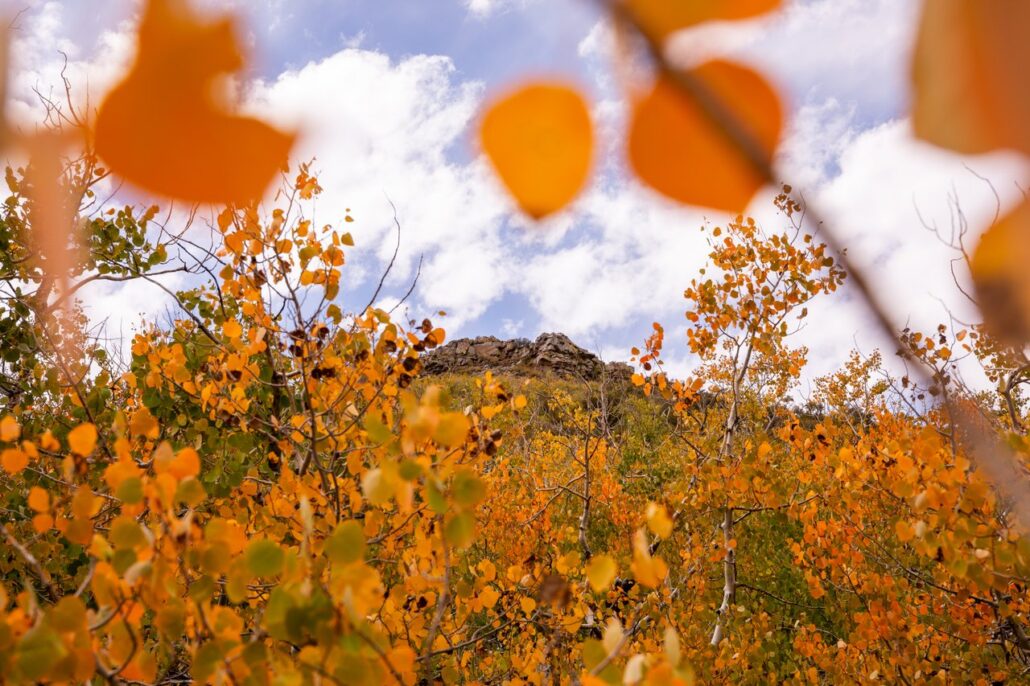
[661, 17]
[970, 75]
[634, 671]
[658, 520]
[489, 596]
[451, 430]
[672, 646]
[377, 486]
[540, 141]
[679, 151]
[648, 570]
[10, 430]
[37, 652]
[600, 572]
[185, 464]
[460, 530]
[39, 499]
[232, 329]
[347, 543]
[82, 439]
[264, 558]
[612, 636]
[166, 127]
[13, 460]
[1001, 277]
[904, 531]
[468, 488]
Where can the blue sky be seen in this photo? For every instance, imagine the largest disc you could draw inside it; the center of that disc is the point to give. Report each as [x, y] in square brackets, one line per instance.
[387, 94]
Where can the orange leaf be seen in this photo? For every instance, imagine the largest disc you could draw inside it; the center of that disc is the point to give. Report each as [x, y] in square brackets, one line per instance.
[39, 499]
[540, 141]
[661, 17]
[13, 460]
[999, 267]
[82, 439]
[165, 127]
[679, 151]
[9, 429]
[970, 74]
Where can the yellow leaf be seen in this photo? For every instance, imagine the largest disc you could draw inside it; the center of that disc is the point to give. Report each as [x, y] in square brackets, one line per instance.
[679, 151]
[232, 329]
[658, 520]
[970, 75]
[540, 141]
[904, 531]
[377, 486]
[661, 17]
[601, 572]
[672, 646]
[10, 430]
[82, 439]
[489, 596]
[143, 423]
[1001, 277]
[451, 430]
[166, 129]
[648, 570]
[612, 636]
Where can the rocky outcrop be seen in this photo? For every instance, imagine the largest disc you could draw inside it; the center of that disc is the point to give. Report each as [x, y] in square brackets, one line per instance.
[550, 353]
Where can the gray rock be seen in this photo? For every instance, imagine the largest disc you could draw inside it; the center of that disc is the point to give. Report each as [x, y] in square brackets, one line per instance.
[550, 354]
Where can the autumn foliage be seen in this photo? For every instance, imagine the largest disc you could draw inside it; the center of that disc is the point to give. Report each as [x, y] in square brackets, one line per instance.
[265, 489]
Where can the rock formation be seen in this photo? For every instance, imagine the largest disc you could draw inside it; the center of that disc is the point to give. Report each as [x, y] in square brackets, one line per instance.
[550, 353]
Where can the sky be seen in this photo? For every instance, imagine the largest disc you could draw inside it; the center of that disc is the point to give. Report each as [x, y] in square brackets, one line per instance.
[387, 94]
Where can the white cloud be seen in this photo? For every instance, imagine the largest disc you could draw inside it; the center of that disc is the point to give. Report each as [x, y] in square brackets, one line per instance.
[400, 130]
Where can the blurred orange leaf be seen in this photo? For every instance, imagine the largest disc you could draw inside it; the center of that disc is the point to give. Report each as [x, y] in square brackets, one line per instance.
[675, 147]
[661, 17]
[999, 267]
[970, 75]
[165, 127]
[82, 439]
[53, 204]
[540, 141]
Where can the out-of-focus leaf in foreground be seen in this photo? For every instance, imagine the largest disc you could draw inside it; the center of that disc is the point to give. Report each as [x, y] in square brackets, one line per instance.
[540, 141]
[682, 152]
[971, 72]
[1002, 278]
[661, 17]
[166, 128]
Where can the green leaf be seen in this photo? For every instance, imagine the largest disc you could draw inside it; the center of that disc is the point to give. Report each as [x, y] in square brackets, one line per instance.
[346, 544]
[264, 558]
[468, 488]
[377, 431]
[460, 530]
[38, 651]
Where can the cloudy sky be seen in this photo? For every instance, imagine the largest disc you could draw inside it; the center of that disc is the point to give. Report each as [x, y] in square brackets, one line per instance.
[387, 94]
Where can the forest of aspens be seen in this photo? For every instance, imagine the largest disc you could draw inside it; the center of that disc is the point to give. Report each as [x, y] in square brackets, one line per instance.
[263, 485]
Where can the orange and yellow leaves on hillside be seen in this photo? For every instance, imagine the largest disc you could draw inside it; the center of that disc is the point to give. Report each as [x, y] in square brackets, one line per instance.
[166, 127]
[540, 141]
[661, 17]
[970, 75]
[999, 267]
[680, 150]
